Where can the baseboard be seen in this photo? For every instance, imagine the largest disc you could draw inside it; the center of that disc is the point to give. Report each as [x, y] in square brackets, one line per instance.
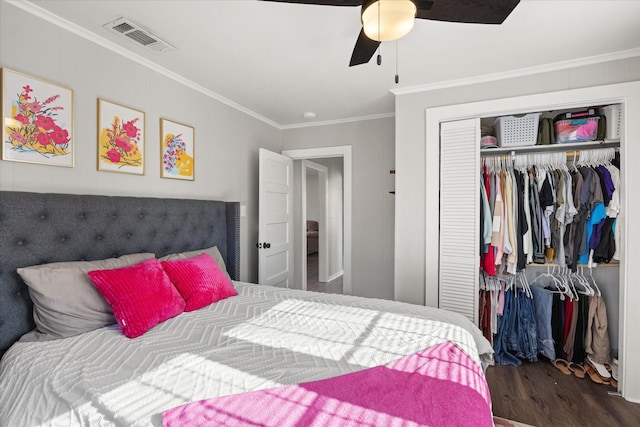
[335, 275]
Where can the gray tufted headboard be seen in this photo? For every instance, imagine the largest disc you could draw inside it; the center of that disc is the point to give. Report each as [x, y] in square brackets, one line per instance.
[42, 228]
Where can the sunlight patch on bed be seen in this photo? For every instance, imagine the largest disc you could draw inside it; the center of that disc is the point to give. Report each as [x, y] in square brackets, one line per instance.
[184, 378]
[358, 336]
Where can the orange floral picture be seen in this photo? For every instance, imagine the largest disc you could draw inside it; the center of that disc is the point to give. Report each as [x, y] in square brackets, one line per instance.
[37, 119]
[120, 138]
[176, 150]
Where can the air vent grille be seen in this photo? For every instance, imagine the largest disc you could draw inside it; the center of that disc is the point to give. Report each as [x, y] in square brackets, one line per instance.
[139, 34]
[123, 28]
[141, 37]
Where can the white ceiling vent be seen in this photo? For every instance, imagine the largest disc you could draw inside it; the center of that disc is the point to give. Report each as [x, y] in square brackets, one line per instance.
[138, 34]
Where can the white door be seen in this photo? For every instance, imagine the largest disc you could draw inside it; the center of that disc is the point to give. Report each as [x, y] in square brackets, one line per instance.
[459, 225]
[275, 222]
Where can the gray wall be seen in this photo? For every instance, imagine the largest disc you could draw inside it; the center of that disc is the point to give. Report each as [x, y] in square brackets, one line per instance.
[226, 140]
[312, 196]
[335, 217]
[410, 263]
[372, 144]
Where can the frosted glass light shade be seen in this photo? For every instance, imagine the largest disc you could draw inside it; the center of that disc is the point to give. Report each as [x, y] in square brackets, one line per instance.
[395, 21]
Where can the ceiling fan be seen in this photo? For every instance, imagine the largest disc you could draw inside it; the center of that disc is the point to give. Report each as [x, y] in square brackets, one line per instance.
[386, 20]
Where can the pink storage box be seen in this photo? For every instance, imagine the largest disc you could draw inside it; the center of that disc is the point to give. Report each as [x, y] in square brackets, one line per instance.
[576, 130]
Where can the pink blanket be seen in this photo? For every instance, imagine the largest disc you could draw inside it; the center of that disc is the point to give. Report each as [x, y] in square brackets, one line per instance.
[439, 386]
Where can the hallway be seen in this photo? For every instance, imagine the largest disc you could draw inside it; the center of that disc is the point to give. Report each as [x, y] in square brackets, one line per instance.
[332, 287]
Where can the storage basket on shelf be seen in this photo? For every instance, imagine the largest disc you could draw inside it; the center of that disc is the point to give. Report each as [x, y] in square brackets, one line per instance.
[613, 114]
[576, 127]
[517, 131]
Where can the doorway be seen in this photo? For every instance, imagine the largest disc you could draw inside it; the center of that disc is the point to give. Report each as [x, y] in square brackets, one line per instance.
[344, 153]
[322, 212]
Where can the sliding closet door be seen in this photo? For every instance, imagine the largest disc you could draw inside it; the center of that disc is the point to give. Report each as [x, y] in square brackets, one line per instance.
[459, 216]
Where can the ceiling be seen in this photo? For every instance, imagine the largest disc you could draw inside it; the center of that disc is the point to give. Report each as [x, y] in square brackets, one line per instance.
[277, 61]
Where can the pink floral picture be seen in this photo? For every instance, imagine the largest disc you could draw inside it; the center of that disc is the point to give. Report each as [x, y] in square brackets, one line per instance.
[37, 120]
[120, 138]
[176, 150]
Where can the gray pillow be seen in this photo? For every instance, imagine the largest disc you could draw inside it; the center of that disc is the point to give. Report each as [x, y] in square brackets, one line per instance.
[213, 252]
[65, 301]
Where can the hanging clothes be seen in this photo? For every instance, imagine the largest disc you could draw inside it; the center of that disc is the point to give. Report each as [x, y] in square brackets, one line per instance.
[542, 301]
[544, 212]
[597, 344]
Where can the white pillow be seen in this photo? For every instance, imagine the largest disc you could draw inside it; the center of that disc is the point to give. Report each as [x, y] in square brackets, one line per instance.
[65, 301]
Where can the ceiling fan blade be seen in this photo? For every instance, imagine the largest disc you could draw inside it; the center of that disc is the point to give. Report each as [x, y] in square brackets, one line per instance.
[363, 50]
[468, 11]
[322, 2]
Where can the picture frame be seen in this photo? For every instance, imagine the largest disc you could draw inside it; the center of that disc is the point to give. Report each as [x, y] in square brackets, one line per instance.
[177, 156]
[37, 120]
[121, 138]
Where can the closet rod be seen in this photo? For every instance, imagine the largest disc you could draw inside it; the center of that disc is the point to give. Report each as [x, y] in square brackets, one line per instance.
[577, 152]
[531, 149]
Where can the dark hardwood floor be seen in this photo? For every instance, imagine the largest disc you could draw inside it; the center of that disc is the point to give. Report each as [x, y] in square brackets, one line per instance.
[332, 287]
[540, 395]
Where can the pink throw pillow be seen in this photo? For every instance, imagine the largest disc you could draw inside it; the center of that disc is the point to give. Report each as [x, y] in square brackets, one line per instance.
[199, 280]
[141, 296]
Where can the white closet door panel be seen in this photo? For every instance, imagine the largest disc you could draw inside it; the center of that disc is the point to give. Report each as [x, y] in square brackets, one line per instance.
[459, 217]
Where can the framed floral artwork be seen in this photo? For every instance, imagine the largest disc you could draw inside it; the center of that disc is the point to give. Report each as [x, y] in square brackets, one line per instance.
[120, 138]
[37, 120]
[176, 150]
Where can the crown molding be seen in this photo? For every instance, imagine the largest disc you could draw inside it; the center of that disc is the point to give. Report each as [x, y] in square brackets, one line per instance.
[65, 24]
[521, 72]
[339, 121]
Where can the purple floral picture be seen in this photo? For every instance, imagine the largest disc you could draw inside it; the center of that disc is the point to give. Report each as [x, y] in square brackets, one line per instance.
[176, 150]
[37, 120]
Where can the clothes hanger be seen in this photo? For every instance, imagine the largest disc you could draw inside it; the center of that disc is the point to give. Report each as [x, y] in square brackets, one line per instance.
[583, 280]
[561, 289]
[522, 278]
[593, 281]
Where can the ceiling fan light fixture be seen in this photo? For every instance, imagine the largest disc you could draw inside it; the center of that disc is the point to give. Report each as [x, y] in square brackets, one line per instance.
[387, 20]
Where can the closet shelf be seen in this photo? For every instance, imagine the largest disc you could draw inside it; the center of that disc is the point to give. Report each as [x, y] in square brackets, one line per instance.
[569, 147]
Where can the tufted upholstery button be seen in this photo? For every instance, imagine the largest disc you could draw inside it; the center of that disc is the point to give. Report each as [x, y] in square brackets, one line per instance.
[99, 237]
[19, 293]
[43, 216]
[20, 242]
[141, 215]
[114, 215]
[82, 216]
[129, 235]
[63, 239]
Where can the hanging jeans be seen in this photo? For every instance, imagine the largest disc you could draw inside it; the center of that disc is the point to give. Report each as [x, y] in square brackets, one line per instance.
[543, 301]
[526, 327]
[506, 323]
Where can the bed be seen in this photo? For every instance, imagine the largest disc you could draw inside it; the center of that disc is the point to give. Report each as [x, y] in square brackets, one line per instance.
[266, 356]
